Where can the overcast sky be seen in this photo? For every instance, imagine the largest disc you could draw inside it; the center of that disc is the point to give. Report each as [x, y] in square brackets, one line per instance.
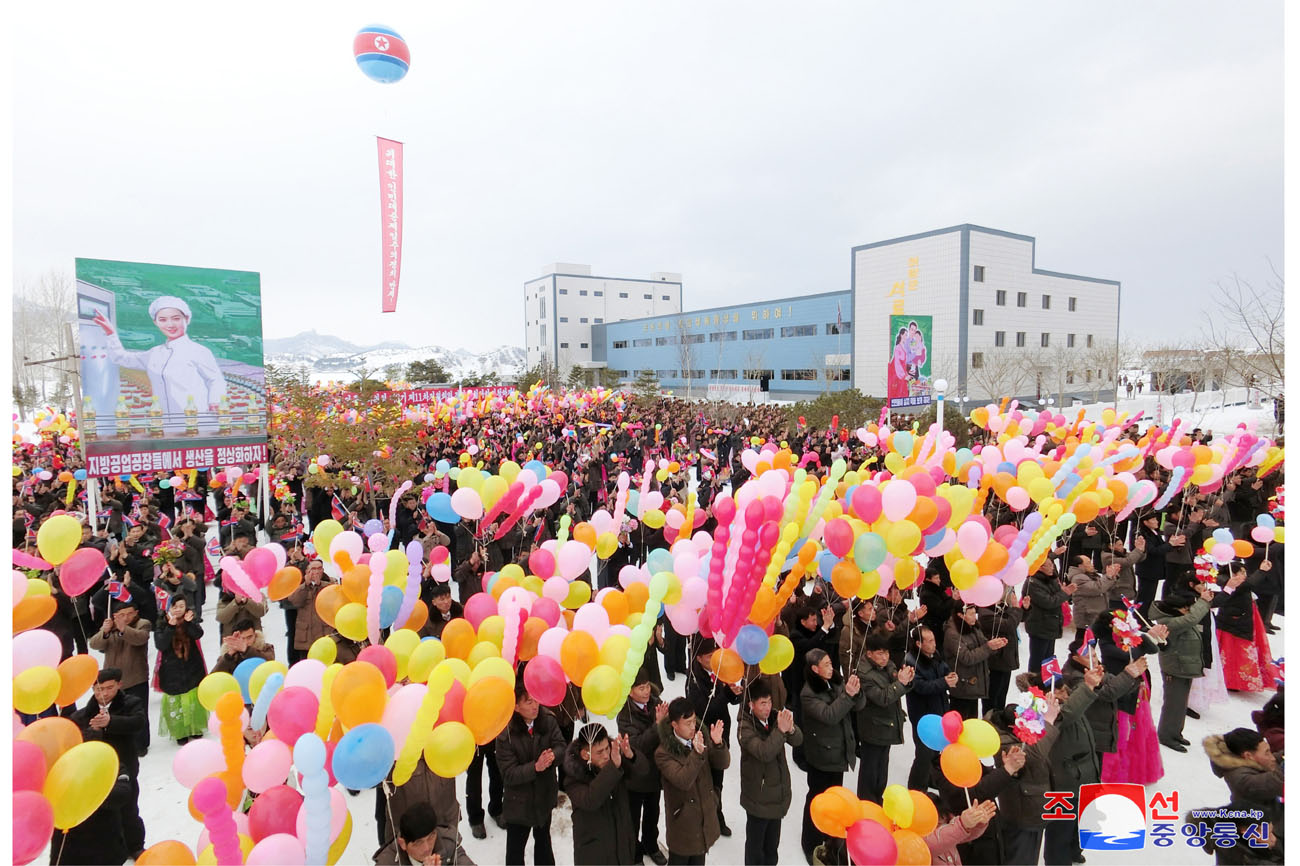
[747, 145]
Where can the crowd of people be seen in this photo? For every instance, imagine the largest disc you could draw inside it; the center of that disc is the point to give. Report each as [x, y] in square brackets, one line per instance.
[864, 672]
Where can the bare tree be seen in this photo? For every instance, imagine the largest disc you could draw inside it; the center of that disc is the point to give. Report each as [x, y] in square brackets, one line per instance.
[1246, 324]
[686, 359]
[996, 373]
[44, 350]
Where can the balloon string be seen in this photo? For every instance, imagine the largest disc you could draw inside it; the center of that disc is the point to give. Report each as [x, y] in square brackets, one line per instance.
[62, 842]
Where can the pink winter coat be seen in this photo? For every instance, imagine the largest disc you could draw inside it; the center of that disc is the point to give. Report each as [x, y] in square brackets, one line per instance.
[944, 840]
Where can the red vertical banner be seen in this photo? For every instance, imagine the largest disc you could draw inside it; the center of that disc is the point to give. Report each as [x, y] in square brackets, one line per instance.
[390, 213]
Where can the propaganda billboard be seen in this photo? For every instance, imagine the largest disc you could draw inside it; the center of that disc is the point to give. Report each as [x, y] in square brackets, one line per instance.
[908, 380]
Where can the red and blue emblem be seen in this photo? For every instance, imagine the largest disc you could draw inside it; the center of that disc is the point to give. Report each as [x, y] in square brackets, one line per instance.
[382, 54]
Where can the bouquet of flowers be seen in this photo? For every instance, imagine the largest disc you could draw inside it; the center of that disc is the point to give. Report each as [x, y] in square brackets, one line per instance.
[1031, 717]
[168, 550]
[1206, 568]
[1277, 505]
[1127, 630]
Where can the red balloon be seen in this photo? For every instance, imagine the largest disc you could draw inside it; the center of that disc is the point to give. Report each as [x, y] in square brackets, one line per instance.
[923, 483]
[542, 563]
[866, 503]
[274, 811]
[80, 570]
[952, 725]
[453, 704]
[839, 536]
[260, 565]
[870, 844]
[381, 657]
[293, 713]
[545, 681]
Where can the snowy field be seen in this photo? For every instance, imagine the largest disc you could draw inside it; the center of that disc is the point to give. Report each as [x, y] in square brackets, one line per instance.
[162, 799]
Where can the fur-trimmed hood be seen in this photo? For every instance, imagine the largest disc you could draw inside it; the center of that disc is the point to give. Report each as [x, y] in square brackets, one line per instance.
[668, 740]
[1223, 761]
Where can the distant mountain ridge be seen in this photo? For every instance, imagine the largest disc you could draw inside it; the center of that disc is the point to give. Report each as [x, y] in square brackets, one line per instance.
[326, 357]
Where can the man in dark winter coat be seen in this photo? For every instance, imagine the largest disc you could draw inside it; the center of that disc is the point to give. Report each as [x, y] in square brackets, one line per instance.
[928, 695]
[1044, 621]
[685, 760]
[639, 722]
[829, 741]
[1180, 660]
[1074, 762]
[596, 770]
[711, 697]
[880, 721]
[764, 772]
[526, 752]
[1001, 620]
[116, 718]
[1151, 570]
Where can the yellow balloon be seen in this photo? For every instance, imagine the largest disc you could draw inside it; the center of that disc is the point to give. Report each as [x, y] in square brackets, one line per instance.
[58, 537]
[424, 658]
[964, 573]
[482, 651]
[213, 686]
[323, 650]
[338, 846]
[606, 544]
[894, 462]
[493, 630]
[981, 737]
[351, 621]
[653, 518]
[79, 782]
[208, 856]
[673, 593]
[322, 535]
[780, 651]
[448, 670]
[36, 586]
[870, 585]
[580, 594]
[902, 538]
[470, 477]
[1040, 489]
[533, 584]
[898, 805]
[493, 489]
[509, 471]
[613, 651]
[402, 642]
[396, 568]
[493, 666]
[261, 672]
[1279, 534]
[600, 690]
[35, 689]
[512, 570]
[450, 749]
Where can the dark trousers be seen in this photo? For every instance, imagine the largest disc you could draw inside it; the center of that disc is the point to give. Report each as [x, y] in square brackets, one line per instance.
[999, 684]
[873, 771]
[762, 838]
[1173, 712]
[517, 841]
[818, 781]
[674, 651]
[1060, 842]
[1021, 845]
[1146, 595]
[290, 626]
[474, 784]
[1040, 649]
[968, 708]
[85, 627]
[718, 776]
[132, 823]
[918, 778]
[645, 814]
[141, 691]
[686, 859]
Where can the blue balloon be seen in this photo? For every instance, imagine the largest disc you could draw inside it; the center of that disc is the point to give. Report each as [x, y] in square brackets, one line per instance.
[1223, 535]
[903, 443]
[929, 729]
[825, 563]
[538, 468]
[442, 466]
[439, 508]
[309, 755]
[242, 674]
[751, 644]
[869, 551]
[1007, 466]
[659, 560]
[1266, 520]
[80, 475]
[269, 690]
[389, 605]
[381, 54]
[364, 756]
[373, 526]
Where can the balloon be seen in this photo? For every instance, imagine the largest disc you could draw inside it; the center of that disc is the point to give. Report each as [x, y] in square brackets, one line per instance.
[960, 765]
[424, 658]
[260, 565]
[952, 725]
[897, 500]
[197, 760]
[293, 711]
[751, 643]
[55, 735]
[903, 537]
[1242, 548]
[29, 766]
[79, 782]
[726, 664]
[930, 731]
[578, 655]
[1262, 534]
[33, 611]
[283, 583]
[213, 686]
[834, 810]
[439, 507]
[870, 844]
[167, 853]
[866, 503]
[35, 689]
[274, 811]
[267, 765]
[544, 679]
[57, 538]
[450, 749]
[489, 703]
[243, 675]
[323, 650]
[981, 737]
[897, 804]
[33, 825]
[82, 569]
[383, 659]
[351, 621]
[36, 648]
[601, 689]
[971, 540]
[912, 850]
[780, 653]
[925, 818]
[467, 503]
[358, 694]
[869, 551]
[364, 756]
[278, 849]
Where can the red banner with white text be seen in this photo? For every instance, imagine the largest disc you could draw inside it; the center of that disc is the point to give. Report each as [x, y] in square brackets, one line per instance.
[390, 211]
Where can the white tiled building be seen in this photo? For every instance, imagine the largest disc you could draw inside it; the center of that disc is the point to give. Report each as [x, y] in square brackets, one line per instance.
[1001, 325]
[563, 304]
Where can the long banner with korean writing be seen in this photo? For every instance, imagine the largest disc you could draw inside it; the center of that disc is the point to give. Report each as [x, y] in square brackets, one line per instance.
[390, 219]
[428, 396]
[908, 380]
[172, 374]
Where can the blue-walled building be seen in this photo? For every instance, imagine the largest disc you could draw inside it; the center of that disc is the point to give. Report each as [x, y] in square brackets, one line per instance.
[796, 347]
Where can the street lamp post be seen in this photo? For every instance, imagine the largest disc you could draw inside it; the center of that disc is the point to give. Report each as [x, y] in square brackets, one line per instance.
[940, 385]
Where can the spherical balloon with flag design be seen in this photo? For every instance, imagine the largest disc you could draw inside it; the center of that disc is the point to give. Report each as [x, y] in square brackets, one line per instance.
[381, 54]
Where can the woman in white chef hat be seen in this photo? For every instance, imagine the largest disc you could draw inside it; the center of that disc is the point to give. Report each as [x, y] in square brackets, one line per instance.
[180, 370]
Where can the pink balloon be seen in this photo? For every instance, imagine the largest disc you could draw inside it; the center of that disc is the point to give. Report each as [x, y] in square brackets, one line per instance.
[307, 674]
[259, 564]
[866, 503]
[1262, 534]
[32, 826]
[20, 587]
[1222, 553]
[467, 503]
[400, 711]
[556, 589]
[684, 621]
[972, 540]
[1018, 498]
[574, 559]
[550, 642]
[561, 480]
[898, 500]
[1005, 534]
[235, 579]
[278, 849]
[544, 679]
[381, 657]
[870, 844]
[277, 550]
[541, 563]
[36, 648]
[275, 811]
[630, 574]
[29, 766]
[594, 620]
[79, 571]
[480, 606]
[547, 610]
[197, 760]
[267, 765]
[292, 713]
[951, 721]
[550, 493]
[838, 535]
[987, 591]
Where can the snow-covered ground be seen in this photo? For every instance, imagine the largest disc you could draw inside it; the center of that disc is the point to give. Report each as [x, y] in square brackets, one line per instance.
[162, 798]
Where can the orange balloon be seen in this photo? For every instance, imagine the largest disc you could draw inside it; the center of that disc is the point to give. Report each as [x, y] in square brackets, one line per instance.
[282, 585]
[578, 655]
[834, 810]
[569, 616]
[912, 850]
[874, 812]
[846, 578]
[419, 616]
[637, 595]
[1086, 507]
[54, 734]
[1243, 548]
[358, 694]
[534, 628]
[77, 674]
[33, 611]
[586, 533]
[489, 703]
[356, 583]
[925, 818]
[924, 512]
[615, 604]
[328, 602]
[781, 460]
[501, 584]
[959, 765]
[994, 558]
[764, 608]
[458, 638]
[727, 665]
[168, 853]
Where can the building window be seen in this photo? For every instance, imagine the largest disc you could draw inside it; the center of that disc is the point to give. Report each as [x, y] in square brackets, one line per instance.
[999, 338]
[1073, 301]
[839, 327]
[564, 318]
[692, 338]
[599, 294]
[583, 320]
[1020, 339]
[1090, 341]
[598, 320]
[979, 273]
[667, 297]
[1069, 341]
[1021, 299]
[978, 317]
[564, 291]
[641, 344]
[582, 292]
[757, 334]
[722, 336]
[758, 374]
[620, 344]
[584, 346]
[1047, 302]
[799, 375]
[837, 374]
[648, 297]
[665, 341]
[543, 333]
[977, 360]
[1069, 377]
[543, 308]
[564, 345]
[692, 374]
[1001, 298]
[799, 331]
[1088, 374]
[723, 374]
[666, 374]
[1044, 339]
[622, 294]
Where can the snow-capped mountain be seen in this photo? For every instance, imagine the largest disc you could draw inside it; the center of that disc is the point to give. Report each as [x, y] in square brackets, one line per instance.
[327, 357]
